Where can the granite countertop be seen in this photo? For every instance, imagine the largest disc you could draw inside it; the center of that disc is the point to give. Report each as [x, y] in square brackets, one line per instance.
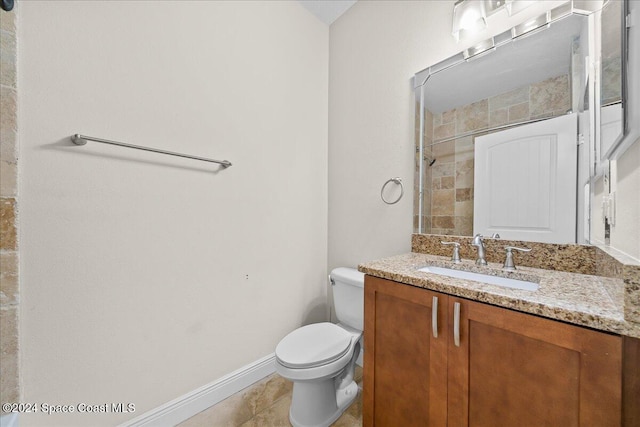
[581, 299]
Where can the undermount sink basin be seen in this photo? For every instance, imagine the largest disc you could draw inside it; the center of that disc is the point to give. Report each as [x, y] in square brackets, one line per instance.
[482, 278]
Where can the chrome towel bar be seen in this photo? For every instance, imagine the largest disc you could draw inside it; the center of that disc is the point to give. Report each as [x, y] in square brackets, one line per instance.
[82, 140]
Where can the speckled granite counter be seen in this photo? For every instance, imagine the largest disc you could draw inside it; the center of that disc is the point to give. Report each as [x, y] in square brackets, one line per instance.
[580, 299]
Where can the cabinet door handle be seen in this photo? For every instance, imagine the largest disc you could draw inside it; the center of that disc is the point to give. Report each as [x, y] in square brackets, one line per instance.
[434, 317]
[456, 324]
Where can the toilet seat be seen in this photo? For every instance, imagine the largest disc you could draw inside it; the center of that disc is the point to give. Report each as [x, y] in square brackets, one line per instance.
[313, 345]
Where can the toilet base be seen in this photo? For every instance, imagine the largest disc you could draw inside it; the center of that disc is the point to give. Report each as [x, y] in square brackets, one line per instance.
[327, 406]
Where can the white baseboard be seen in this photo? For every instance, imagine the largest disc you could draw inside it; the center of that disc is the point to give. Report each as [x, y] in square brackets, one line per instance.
[188, 405]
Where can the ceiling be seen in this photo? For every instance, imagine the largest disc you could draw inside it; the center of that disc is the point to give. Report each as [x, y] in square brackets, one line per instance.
[327, 10]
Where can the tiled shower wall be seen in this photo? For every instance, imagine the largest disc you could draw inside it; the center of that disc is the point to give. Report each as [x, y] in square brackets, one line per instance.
[448, 182]
[9, 297]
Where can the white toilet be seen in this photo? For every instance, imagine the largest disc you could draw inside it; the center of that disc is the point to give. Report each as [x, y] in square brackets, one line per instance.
[320, 358]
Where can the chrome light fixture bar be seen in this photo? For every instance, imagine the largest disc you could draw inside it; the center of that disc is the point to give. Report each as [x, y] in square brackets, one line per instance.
[531, 26]
[470, 16]
[479, 50]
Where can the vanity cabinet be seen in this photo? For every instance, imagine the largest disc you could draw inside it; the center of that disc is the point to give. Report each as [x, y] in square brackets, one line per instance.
[515, 369]
[405, 367]
[501, 368]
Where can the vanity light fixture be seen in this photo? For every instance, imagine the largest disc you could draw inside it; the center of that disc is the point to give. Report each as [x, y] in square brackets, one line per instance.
[517, 6]
[492, 6]
[531, 26]
[469, 16]
[479, 50]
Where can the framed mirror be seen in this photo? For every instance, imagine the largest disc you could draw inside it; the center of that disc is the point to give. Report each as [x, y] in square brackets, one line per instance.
[612, 89]
[506, 132]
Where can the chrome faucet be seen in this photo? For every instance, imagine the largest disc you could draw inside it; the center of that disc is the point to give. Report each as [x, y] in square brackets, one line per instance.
[509, 265]
[478, 243]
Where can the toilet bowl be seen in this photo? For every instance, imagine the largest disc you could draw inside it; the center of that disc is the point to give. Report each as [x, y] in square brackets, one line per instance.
[320, 358]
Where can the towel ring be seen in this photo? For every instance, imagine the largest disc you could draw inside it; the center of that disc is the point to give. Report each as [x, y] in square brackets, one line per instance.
[398, 181]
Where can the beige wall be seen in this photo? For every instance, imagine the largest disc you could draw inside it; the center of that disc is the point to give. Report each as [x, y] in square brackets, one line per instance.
[9, 277]
[375, 49]
[148, 276]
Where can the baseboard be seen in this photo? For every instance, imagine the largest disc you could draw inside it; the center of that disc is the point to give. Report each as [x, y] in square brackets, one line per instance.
[188, 405]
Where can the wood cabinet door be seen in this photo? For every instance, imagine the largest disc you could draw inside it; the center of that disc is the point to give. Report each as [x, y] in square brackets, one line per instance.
[515, 369]
[405, 366]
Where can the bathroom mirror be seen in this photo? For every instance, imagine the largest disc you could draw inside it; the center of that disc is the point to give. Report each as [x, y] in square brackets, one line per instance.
[534, 91]
[612, 46]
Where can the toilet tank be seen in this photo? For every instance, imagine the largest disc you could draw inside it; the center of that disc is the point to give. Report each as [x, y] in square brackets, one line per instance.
[348, 296]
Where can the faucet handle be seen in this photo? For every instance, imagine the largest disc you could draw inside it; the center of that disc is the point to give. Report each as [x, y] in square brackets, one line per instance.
[456, 251]
[509, 265]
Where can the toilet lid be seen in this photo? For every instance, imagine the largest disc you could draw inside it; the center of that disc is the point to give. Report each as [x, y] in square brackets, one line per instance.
[313, 345]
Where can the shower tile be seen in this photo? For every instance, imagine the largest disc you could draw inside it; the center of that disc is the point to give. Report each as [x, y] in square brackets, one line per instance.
[9, 380]
[8, 125]
[8, 224]
[472, 117]
[8, 175]
[449, 116]
[464, 209]
[550, 95]
[444, 131]
[464, 225]
[464, 194]
[499, 117]
[428, 131]
[507, 99]
[442, 169]
[437, 119]
[519, 112]
[611, 79]
[8, 22]
[444, 231]
[464, 174]
[8, 59]
[464, 149]
[444, 152]
[447, 182]
[8, 278]
[436, 184]
[442, 202]
[546, 115]
[426, 221]
[443, 222]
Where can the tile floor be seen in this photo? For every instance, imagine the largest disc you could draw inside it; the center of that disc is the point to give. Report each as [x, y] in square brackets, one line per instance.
[266, 404]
